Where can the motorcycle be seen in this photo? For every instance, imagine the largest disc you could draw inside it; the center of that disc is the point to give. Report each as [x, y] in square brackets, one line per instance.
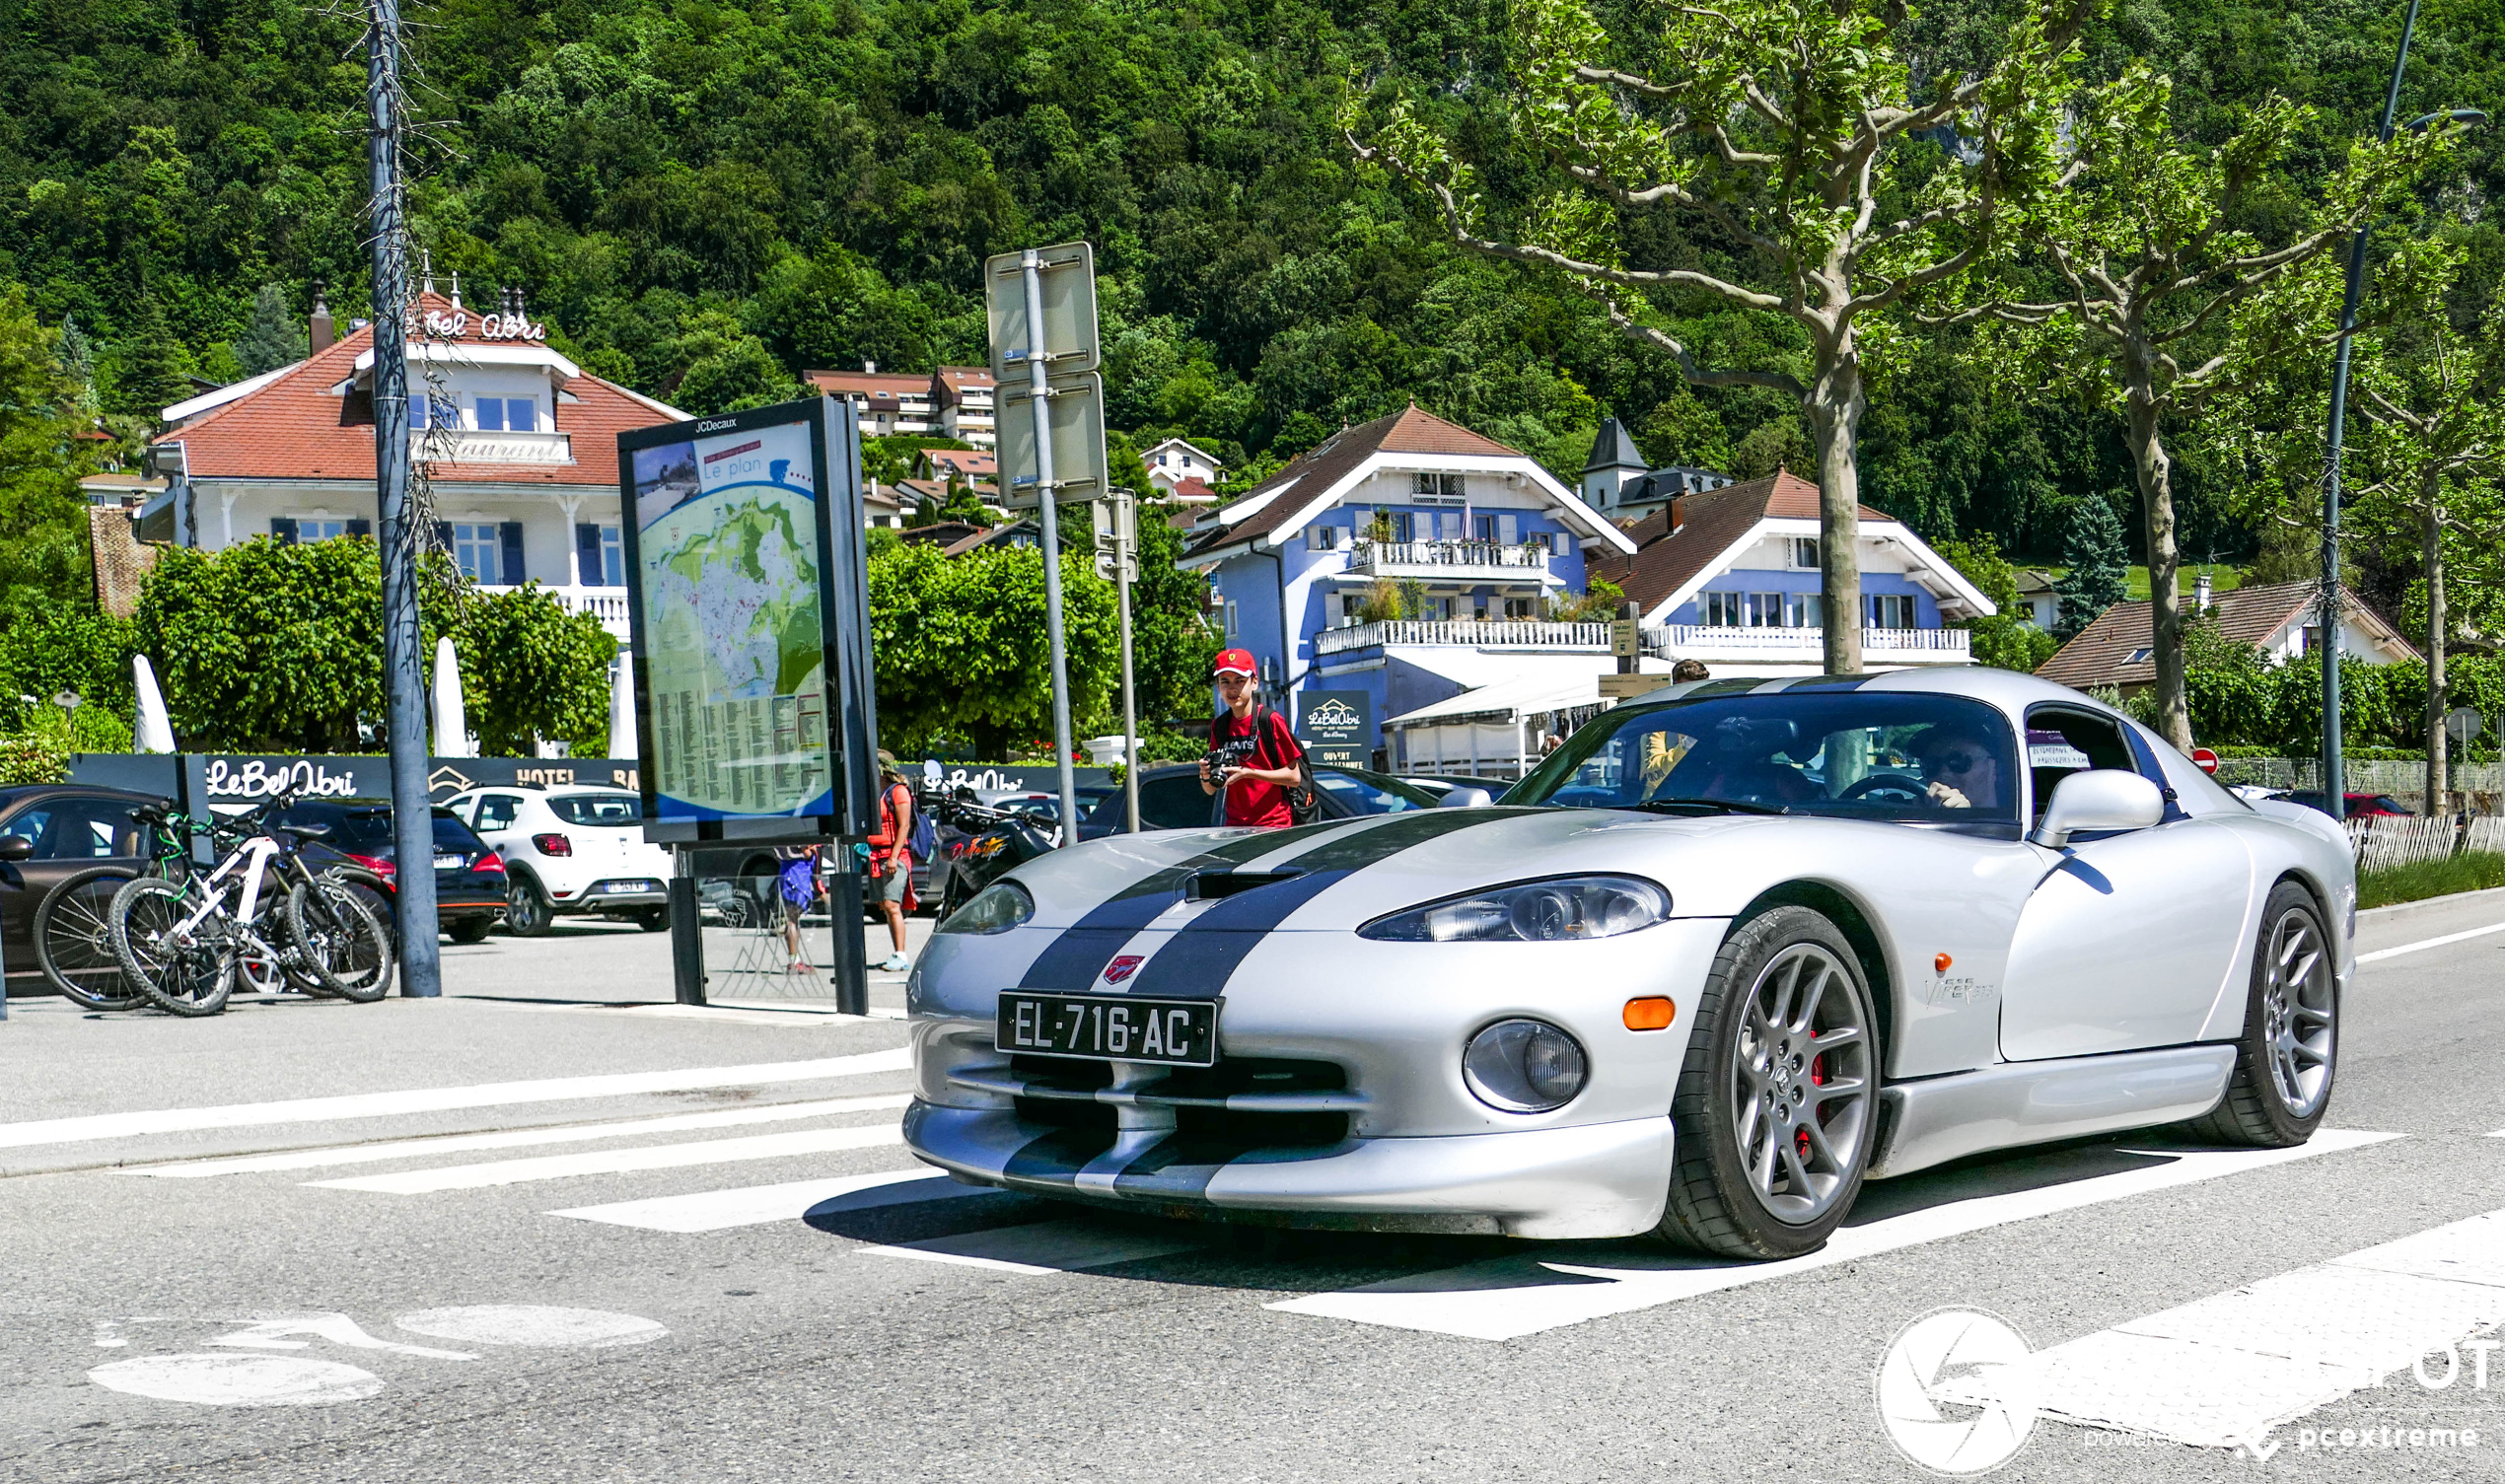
[995, 840]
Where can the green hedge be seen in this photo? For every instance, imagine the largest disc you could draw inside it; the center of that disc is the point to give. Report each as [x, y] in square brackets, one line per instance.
[2474, 872]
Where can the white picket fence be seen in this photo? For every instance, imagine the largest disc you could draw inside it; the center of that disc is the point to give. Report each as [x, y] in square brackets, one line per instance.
[2384, 841]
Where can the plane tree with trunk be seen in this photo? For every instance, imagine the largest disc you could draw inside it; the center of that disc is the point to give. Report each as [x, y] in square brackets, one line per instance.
[2140, 262]
[1792, 136]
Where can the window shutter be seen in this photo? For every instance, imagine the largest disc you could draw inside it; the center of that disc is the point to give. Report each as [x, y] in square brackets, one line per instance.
[587, 552]
[444, 536]
[284, 528]
[360, 528]
[509, 536]
[1509, 530]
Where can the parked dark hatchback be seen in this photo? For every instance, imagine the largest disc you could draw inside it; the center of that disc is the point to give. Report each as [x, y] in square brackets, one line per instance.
[66, 828]
[469, 878]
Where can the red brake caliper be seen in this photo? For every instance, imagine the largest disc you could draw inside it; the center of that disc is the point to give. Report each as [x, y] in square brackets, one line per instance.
[1817, 1076]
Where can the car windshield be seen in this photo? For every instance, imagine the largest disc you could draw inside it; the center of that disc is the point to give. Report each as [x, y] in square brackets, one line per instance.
[367, 830]
[597, 809]
[1370, 793]
[1861, 754]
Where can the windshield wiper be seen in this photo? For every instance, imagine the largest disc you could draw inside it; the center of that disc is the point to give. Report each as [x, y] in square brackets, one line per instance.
[1730, 806]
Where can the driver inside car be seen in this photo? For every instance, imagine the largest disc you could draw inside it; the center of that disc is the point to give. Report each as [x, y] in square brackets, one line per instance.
[1959, 771]
[1736, 761]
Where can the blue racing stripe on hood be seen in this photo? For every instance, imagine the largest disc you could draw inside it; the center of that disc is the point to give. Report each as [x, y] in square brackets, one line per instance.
[1073, 959]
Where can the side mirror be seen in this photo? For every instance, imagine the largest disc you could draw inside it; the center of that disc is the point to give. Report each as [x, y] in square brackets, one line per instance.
[2100, 798]
[1465, 799]
[16, 848]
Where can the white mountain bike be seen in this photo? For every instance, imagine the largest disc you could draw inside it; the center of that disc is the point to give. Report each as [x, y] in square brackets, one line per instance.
[181, 942]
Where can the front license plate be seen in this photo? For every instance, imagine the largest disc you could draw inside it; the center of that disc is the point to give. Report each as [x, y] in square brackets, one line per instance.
[1109, 1028]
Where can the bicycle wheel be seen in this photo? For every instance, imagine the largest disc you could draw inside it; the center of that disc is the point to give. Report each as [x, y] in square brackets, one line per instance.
[342, 943]
[182, 972]
[74, 939]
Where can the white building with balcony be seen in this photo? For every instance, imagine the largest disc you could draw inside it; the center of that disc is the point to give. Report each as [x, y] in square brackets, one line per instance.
[966, 397]
[521, 446]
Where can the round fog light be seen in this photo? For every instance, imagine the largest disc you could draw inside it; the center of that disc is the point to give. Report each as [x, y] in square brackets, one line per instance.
[1523, 1066]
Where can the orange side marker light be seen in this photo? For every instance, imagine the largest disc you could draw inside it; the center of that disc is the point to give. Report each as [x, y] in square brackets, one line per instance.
[1650, 1012]
[1940, 965]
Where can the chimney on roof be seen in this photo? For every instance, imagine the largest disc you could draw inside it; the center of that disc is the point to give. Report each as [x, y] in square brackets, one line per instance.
[320, 334]
[520, 311]
[868, 367]
[1678, 512]
[426, 271]
[2200, 593]
[457, 288]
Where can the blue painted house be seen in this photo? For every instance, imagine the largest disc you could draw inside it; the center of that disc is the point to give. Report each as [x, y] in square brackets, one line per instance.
[1483, 542]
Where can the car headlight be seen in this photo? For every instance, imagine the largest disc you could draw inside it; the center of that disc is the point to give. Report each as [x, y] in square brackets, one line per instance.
[1552, 912]
[996, 908]
[1523, 1066]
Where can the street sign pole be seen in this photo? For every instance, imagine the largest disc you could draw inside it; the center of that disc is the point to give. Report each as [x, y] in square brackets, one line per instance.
[1038, 397]
[1125, 567]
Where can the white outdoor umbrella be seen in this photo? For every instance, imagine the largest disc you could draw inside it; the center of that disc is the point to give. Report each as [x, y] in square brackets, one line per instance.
[155, 732]
[621, 709]
[452, 728]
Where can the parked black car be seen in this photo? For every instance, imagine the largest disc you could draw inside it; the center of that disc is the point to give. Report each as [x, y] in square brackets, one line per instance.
[469, 878]
[49, 833]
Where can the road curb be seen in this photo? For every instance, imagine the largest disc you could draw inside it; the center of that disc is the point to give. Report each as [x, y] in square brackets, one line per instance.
[2400, 910]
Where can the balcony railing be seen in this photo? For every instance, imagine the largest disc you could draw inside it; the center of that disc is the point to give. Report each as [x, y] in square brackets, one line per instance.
[1678, 641]
[608, 605]
[1449, 558]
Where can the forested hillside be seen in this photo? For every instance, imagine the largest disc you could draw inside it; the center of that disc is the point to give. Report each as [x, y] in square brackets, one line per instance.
[704, 200]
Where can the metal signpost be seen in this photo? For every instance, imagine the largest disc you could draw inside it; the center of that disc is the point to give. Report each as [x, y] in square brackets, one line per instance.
[1040, 304]
[748, 601]
[1117, 562]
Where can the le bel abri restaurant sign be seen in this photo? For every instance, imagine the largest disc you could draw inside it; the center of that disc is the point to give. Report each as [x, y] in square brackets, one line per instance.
[1337, 726]
[250, 777]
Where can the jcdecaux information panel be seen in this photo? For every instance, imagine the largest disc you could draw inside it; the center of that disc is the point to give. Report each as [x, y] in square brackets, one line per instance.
[728, 568]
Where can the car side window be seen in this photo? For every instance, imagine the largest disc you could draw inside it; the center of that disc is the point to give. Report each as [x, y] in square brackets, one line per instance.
[78, 829]
[1175, 802]
[498, 811]
[2060, 743]
[465, 806]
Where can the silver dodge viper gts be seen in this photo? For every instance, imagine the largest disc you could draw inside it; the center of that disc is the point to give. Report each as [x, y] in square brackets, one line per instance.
[1731, 951]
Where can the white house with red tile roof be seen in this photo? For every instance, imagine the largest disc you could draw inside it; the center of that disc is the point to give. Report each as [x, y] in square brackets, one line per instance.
[521, 446]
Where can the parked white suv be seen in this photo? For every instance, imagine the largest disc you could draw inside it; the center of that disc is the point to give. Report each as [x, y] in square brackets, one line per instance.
[570, 849]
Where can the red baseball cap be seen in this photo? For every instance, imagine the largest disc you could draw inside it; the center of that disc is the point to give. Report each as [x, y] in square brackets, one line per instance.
[1234, 662]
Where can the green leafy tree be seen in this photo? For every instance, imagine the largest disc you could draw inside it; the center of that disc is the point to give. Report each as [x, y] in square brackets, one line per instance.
[48, 650]
[530, 672]
[1794, 130]
[43, 549]
[2099, 565]
[2147, 251]
[272, 337]
[1998, 639]
[959, 648]
[267, 645]
[151, 372]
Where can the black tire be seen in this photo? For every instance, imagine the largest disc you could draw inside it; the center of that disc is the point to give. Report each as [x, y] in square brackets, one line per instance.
[468, 929]
[74, 939]
[185, 975]
[2286, 1058]
[339, 940]
[527, 910]
[1785, 1030]
[653, 919]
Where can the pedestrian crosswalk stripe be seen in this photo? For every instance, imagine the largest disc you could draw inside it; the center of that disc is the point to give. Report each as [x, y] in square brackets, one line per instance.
[621, 1161]
[411, 1149]
[1059, 1246]
[2225, 1370]
[1507, 1297]
[758, 1205]
[441, 1099]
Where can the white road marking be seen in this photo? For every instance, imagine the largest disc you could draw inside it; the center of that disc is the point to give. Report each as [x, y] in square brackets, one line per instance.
[439, 1100]
[621, 1160]
[2225, 1370]
[1506, 1298]
[536, 1325]
[238, 1381]
[338, 1329]
[1048, 1247]
[2431, 943]
[758, 1205]
[522, 1138]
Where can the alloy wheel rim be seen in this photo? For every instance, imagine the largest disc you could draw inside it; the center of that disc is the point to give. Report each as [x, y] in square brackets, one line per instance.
[2298, 1014]
[1801, 1083]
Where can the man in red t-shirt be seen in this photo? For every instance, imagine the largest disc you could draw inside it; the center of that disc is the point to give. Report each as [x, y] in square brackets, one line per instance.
[1256, 753]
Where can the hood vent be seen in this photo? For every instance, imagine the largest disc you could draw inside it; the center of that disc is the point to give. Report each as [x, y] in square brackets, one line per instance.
[1213, 886]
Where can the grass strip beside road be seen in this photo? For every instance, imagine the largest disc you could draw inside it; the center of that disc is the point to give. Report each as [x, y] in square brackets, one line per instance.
[2472, 871]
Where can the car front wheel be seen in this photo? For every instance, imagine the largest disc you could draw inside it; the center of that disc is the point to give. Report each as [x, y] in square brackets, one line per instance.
[2282, 1079]
[1776, 1108]
[526, 913]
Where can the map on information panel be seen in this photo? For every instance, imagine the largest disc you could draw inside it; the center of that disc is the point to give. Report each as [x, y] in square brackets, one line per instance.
[727, 551]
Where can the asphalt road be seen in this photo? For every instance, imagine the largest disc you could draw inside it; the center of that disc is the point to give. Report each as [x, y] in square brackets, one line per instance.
[553, 1228]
